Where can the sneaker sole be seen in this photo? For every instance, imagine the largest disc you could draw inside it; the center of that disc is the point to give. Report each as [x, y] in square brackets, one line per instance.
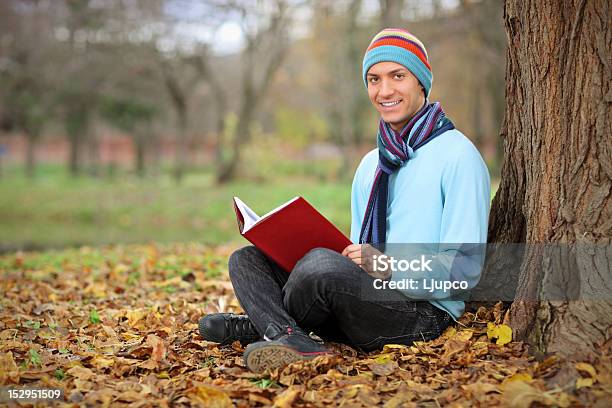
[271, 356]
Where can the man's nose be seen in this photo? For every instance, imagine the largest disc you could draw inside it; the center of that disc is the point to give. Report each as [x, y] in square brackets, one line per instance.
[386, 88]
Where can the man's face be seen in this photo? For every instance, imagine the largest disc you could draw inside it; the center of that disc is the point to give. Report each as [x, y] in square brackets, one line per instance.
[395, 93]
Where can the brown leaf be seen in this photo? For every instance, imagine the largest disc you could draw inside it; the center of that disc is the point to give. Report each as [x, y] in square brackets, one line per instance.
[387, 368]
[159, 349]
[82, 373]
[210, 397]
[286, 398]
[259, 398]
[519, 394]
[403, 398]
[8, 369]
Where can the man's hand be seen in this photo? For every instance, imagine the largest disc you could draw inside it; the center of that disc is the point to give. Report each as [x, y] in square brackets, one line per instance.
[362, 255]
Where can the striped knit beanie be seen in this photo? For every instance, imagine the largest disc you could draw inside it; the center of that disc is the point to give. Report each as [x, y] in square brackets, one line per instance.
[397, 45]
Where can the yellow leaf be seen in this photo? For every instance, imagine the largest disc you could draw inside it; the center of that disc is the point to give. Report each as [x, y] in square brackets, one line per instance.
[211, 397]
[583, 382]
[449, 332]
[130, 336]
[82, 373]
[464, 335]
[383, 358]
[517, 377]
[287, 398]
[8, 368]
[501, 332]
[587, 368]
[389, 347]
[134, 316]
[101, 362]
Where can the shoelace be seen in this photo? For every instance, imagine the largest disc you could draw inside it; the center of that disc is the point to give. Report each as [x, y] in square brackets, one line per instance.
[240, 328]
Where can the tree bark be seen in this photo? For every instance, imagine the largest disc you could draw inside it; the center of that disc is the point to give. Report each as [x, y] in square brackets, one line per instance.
[255, 87]
[140, 147]
[31, 140]
[557, 172]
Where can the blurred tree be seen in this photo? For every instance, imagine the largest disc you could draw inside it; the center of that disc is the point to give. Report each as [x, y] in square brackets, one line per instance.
[339, 46]
[83, 76]
[557, 172]
[180, 82]
[133, 116]
[265, 29]
[391, 13]
[25, 35]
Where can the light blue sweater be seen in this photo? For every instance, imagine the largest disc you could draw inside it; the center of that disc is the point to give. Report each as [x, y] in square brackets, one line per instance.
[441, 195]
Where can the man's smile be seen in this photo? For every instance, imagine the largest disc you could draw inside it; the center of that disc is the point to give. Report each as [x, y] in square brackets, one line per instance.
[390, 103]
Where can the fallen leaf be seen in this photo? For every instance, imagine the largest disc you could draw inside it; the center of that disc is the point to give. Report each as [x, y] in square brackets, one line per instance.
[286, 398]
[390, 347]
[584, 382]
[159, 349]
[8, 369]
[586, 368]
[101, 362]
[519, 394]
[210, 397]
[82, 373]
[501, 332]
[384, 369]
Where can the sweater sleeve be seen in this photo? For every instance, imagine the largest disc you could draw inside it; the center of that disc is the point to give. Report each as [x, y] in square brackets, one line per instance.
[459, 257]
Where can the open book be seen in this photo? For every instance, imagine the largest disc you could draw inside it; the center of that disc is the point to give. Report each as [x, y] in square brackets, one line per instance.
[289, 231]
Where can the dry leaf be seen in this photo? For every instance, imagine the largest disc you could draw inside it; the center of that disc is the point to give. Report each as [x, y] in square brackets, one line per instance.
[8, 369]
[210, 397]
[286, 398]
[584, 382]
[82, 373]
[586, 368]
[501, 332]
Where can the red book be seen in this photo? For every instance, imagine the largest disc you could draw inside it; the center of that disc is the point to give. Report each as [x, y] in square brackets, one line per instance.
[288, 232]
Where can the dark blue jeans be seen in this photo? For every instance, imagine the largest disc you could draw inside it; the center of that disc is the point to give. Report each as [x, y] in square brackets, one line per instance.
[327, 293]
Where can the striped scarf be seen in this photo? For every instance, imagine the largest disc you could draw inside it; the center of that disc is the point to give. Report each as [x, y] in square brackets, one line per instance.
[394, 150]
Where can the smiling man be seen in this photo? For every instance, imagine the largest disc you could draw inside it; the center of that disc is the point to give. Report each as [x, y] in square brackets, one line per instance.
[424, 183]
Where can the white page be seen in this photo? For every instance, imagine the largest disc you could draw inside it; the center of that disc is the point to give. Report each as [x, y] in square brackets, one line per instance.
[250, 218]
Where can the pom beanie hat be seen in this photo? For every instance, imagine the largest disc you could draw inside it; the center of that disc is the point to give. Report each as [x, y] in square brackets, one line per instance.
[399, 46]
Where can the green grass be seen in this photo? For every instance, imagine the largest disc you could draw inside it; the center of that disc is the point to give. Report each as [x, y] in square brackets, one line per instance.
[55, 210]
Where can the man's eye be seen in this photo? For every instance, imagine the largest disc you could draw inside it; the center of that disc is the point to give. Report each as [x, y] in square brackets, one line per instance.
[373, 79]
[399, 76]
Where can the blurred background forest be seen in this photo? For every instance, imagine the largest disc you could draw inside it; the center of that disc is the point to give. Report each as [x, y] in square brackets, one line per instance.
[137, 120]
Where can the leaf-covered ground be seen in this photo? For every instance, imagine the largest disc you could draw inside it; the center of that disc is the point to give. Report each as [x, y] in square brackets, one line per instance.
[118, 326]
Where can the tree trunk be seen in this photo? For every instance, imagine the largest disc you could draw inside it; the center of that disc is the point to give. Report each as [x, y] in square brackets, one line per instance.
[140, 147]
[391, 13]
[93, 150]
[74, 166]
[557, 173]
[181, 146]
[32, 138]
[226, 170]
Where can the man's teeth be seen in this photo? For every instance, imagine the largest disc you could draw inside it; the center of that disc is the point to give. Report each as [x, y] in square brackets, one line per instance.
[389, 103]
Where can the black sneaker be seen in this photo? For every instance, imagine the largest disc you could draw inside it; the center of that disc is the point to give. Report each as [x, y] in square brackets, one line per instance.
[226, 328]
[281, 346]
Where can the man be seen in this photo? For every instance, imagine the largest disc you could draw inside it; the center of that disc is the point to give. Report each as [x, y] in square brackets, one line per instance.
[425, 183]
